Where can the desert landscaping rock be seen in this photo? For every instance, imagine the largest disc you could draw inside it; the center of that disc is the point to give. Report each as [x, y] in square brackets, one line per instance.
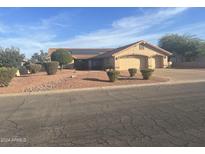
[88, 79]
[69, 79]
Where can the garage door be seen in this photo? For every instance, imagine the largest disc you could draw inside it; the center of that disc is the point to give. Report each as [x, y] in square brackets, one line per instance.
[158, 62]
[132, 62]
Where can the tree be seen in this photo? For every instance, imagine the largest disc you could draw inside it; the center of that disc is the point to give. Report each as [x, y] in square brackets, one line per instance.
[185, 46]
[40, 58]
[11, 57]
[62, 56]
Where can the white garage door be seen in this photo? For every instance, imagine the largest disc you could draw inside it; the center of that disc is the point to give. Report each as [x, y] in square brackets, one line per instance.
[132, 62]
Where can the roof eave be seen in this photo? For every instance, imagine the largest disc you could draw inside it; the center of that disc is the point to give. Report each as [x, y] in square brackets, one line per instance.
[163, 50]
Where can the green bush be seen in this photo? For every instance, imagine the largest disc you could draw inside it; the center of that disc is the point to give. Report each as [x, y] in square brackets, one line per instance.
[146, 73]
[132, 71]
[43, 69]
[11, 57]
[33, 68]
[113, 75]
[51, 67]
[27, 65]
[6, 75]
[23, 70]
[62, 56]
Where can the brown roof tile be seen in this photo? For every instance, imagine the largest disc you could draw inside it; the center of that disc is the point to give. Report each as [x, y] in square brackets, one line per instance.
[110, 53]
[82, 51]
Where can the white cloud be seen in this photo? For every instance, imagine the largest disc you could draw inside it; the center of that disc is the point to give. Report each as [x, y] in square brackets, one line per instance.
[148, 19]
[42, 35]
[125, 30]
[3, 28]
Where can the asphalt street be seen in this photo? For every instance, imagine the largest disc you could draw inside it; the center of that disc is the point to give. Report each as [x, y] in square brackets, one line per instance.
[163, 115]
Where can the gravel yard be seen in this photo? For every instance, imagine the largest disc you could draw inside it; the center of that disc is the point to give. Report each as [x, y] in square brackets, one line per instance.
[70, 79]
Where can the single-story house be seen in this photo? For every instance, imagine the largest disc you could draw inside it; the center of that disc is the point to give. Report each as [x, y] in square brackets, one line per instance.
[140, 55]
[81, 55]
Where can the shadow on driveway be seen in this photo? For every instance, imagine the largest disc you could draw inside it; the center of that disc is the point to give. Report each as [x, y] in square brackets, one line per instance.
[95, 79]
[120, 78]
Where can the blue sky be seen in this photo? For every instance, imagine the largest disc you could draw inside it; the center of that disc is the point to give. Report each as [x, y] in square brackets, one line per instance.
[33, 29]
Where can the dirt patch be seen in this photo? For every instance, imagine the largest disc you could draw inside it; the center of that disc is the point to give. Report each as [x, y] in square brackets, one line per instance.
[70, 79]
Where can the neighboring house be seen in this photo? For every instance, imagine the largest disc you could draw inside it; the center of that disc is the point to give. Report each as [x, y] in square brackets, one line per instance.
[81, 54]
[140, 55]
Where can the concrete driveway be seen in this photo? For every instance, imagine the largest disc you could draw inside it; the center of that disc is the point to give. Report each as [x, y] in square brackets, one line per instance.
[160, 115]
[181, 75]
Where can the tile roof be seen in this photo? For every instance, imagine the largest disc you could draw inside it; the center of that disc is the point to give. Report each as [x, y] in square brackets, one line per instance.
[82, 51]
[160, 49]
[112, 52]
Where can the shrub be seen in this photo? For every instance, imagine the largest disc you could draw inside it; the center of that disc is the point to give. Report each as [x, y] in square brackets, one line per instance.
[23, 70]
[51, 67]
[11, 57]
[27, 65]
[132, 71]
[113, 75]
[43, 69]
[62, 56]
[40, 58]
[34, 68]
[6, 75]
[146, 73]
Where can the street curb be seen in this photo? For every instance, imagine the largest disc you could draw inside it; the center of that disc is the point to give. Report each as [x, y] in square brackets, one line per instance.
[61, 91]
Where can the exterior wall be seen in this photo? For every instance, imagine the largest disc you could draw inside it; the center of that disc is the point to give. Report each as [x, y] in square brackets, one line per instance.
[135, 51]
[94, 64]
[152, 63]
[108, 62]
[97, 64]
[81, 64]
[158, 61]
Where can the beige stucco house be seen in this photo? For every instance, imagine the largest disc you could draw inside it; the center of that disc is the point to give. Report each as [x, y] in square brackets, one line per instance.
[140, 55]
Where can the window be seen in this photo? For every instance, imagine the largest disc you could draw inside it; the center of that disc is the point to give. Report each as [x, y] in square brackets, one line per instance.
[141, 47]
